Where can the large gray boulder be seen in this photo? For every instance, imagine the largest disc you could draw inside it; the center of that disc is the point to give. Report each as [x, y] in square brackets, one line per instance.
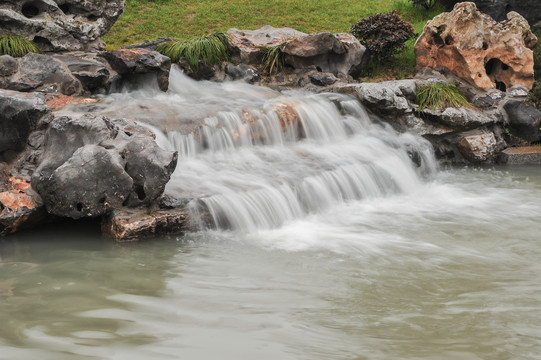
[61, 25]
[91, 166]
[524, 120]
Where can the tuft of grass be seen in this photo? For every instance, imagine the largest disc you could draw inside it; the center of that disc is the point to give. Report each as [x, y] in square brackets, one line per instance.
[534, 96]
[439, 96]
[206, 51]
[273, 59]
[16, 46]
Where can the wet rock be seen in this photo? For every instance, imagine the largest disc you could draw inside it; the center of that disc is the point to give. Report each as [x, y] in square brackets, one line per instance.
[477, 145]
[524, 120]
[246, 44]
[91, 166]
[43, 73]
[388, 97]
[528, 155]
[242, 72]
[94, 73]
[59, 101]
[325, 52]
[65, 25]
[127, 62]
[20, 206]
[20, 114]
[135, 224]
[478, 49]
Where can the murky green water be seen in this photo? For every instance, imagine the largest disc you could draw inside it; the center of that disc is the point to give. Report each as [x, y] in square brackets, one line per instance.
[451, 271]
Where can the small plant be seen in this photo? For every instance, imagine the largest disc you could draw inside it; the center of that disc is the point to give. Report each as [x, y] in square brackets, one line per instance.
[16, 46]
[427, 4]
[537, 56]
[273, 59]
[384, 35]
[440, 96]
[206, 51]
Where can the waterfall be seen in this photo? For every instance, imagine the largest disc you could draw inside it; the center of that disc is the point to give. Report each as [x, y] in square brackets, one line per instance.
[256, 158]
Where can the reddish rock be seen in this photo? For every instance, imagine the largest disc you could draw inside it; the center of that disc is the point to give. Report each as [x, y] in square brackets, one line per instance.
[477, 146]
[527, 155]
[485, 53]
[59, 101]
[20, 207]
[136, 224]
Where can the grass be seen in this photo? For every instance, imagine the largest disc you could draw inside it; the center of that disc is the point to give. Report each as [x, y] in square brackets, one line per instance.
[185, 20]
[16, 46]
[440, 96]
[206, 51]
[273, 59]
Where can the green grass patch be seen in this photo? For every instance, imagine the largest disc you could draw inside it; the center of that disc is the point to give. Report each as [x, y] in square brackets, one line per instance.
[440, 96]
[273, 59]
[206, 51]
[16, 46]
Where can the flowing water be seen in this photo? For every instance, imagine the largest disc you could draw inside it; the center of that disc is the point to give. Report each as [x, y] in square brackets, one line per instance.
[325, 236]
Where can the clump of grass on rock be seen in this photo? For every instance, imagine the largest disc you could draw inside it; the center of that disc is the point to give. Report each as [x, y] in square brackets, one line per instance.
[439, 96]
[198, 52]
[16, 46]
[273, 59]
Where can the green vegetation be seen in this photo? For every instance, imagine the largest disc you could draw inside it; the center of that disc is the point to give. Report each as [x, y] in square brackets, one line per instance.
[185, 20]
[427, 4]
[534, 97]
[16, 46]
[440, 96]
[191, 54]
[273, 59]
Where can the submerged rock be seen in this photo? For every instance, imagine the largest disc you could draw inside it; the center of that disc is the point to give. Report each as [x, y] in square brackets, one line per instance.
[65, 25]
[478, 49]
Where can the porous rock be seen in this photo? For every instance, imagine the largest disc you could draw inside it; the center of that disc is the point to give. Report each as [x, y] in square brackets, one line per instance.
[498, 9]
[20, 114]
[90, 166]
[333, 53]
[61, 25]
[129, 62]
[485, 53]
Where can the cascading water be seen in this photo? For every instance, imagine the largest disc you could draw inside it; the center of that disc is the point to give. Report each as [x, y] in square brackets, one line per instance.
[256, 158]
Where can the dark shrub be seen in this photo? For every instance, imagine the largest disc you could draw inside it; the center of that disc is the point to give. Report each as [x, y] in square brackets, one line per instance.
[384, 35]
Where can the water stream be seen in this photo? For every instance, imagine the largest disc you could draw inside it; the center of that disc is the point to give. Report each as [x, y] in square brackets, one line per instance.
[331, 237]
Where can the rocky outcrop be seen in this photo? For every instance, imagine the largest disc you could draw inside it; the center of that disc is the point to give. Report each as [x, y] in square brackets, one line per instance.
[20, 114]
[524, 120]
[476, 48]
[131, 62]
[90, 166]
[61, 25]
[527, 155]
[498, 9]
[338, 54]
[76, 73]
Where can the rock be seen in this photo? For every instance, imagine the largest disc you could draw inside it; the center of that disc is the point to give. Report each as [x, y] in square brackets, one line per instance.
[127, 62]
[458, 118]
[150, 45]
[326, 52]
[498, 9]
[242, 72]
[8, 67]
[518, 91]
[528, 155]
[322, 79]
[94, 73]
[20, 206]
[90, 166]
[478, 49]
[489, 100]
[20, 114]
[477, 145]
[135, 224]
[524, 120]
[246, 44]
[59, 101]
[388, 97]
[66, 25]
[43, 73]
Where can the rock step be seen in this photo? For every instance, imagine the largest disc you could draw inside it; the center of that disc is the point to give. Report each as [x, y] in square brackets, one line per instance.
[526, 155]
